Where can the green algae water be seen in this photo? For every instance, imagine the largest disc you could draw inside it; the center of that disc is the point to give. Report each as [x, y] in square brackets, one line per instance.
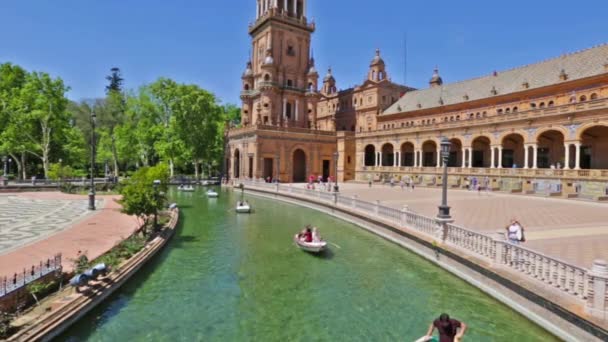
[229, 277]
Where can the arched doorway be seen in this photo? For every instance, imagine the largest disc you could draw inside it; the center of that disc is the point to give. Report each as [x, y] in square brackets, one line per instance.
[407, 154]
[429, 153]
[481, 152]
[237, 164]
[551, 150]
[594, 148]
[388, 157]
[370, 155]
[513, 151]
[299, 166]
[455, 153]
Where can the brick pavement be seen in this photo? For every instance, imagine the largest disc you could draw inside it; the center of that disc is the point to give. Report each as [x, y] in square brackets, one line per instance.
[574, 231]
[94, 232]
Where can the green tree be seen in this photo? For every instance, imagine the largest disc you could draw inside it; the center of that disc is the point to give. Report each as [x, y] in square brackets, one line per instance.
[140, 198]
[115, 80]
[12, 79]
[39, 116]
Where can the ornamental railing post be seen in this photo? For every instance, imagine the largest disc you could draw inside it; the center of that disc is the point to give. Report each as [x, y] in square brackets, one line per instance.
[355, 201]
[376, 207]
[499, 252]
[596, 302]
[404, 211]
[335, 198]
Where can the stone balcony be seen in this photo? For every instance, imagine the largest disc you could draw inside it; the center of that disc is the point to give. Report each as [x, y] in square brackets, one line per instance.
[252, 129]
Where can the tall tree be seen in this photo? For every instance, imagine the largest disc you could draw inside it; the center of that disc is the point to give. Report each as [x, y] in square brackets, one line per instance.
[39, 116]
[12, 79]
[115, 80]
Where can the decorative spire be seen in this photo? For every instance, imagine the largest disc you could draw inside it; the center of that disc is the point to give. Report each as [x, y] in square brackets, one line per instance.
[436, 79]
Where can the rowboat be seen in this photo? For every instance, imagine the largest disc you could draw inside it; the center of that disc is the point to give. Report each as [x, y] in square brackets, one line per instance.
[212, 193]
[312, 247]
[243, 208]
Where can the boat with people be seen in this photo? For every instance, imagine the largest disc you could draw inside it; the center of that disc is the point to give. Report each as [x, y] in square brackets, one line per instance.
[243, 207]
[212, 193]
[309, 240]
[188, 188]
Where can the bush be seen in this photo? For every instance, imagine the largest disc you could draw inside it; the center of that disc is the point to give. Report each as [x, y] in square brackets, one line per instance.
[5, 324]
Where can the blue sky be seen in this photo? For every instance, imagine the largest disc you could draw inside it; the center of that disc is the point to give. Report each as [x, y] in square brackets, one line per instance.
[206, 42]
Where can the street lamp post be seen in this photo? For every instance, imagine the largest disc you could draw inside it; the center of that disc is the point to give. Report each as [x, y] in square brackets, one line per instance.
[92, 192]
[155, 185]
[444, 210]
[336, 156]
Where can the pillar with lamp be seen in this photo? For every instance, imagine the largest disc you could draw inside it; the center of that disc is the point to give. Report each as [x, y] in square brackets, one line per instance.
[93, 120]
[443, 217]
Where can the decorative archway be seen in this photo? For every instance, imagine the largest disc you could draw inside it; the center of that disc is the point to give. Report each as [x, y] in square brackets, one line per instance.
[594, 148]
[237, 164]
[370, 155]
[429, 153]
[481, 152]
[455, 153]
[550, 150]
[407, 154]
[388, 156]
[513, 152]
[298, 166]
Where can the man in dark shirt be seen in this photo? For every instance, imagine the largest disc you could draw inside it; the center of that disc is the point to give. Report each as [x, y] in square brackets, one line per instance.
[450, 330]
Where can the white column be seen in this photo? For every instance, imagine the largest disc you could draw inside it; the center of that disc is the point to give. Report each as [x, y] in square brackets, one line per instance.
[398, 159]
[285, 6]
[284, 108]
[395, 159]
[535, 156]
[492, 161]
[500, 157]
[438, 156]
[567, 157]
[577, 161]
[376, 164]
[297, 103]
[463, 157]
[470, 157]
[526, 156]
[380, 159]
[295, 7]
[418, 158]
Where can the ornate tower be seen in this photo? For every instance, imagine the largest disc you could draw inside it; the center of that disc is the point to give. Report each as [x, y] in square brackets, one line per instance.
[377, 69]
[277, 83]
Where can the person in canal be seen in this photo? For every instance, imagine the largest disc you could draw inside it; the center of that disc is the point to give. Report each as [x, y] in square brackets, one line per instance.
[306, 234]
[450, 330]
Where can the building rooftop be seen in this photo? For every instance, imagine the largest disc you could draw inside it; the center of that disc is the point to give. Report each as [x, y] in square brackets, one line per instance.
[568, 67]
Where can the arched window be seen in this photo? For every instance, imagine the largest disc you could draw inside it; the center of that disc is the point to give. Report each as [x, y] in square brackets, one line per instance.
[403, 124]
[246, 87]
[266, 77]
[532, 105]
[374, 75]
[484, 114]
[583, 98]
[593, 96]
[541, 105]
[550, 104]
[380, 76]
[572, 99]
[478, 115]
[499, 111]
[508, 110]
[457, 117]
[515, 109]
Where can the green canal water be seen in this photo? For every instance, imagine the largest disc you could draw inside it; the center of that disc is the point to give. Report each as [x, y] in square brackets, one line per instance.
[228, 277]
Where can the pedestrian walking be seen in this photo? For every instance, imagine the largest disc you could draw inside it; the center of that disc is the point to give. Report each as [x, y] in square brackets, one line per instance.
[515, 232]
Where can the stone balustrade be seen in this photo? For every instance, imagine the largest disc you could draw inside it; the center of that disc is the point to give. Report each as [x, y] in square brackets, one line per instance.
[590, 287]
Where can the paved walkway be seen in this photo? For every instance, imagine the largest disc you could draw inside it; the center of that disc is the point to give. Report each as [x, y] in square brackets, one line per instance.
[574, 231]
[35, 226]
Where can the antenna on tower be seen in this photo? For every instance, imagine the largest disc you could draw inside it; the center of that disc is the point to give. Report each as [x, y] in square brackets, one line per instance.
[405, 58]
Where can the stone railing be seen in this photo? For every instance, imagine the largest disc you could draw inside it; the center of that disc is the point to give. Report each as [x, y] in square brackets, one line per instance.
[497, 172]
[18, 280]
[589, 287]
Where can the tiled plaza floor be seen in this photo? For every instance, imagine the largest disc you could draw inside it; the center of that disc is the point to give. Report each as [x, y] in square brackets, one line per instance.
[574, 231]
[35, 226]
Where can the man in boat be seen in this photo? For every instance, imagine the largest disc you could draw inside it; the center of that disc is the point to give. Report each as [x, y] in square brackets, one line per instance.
[306, 234]
[450, 330]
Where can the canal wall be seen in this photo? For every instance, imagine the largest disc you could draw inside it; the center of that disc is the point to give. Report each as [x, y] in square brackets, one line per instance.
[67, 310]
[547, 307]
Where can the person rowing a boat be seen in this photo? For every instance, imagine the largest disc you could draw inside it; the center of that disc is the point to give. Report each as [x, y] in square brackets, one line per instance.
[306, 234]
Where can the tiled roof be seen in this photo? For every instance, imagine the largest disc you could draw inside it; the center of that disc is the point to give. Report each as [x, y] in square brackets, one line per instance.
[577, 65]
